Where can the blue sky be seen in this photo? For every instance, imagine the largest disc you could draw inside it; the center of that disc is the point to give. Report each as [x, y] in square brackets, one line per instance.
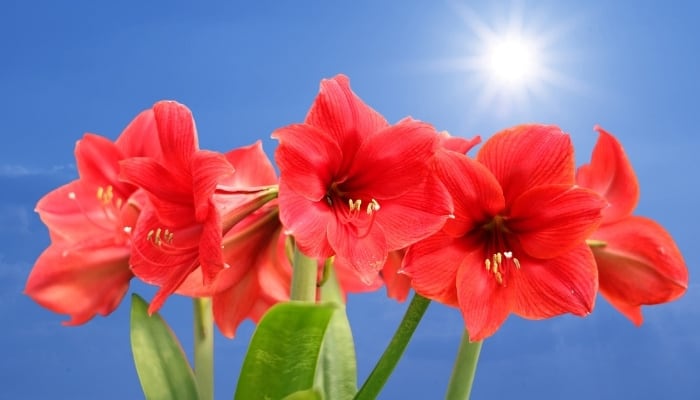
[246, 69]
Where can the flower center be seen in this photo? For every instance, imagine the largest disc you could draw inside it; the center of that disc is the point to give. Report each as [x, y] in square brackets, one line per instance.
[500, 260]
[497, 263]
[358, 213]
[109, 210]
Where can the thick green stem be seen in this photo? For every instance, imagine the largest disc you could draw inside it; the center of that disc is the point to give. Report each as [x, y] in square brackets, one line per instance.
[385, 366]
[460, 386]
[204, 348]
[305, 272]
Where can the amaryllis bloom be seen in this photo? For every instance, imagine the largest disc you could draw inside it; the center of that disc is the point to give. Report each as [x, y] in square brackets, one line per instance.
[638, 260]
[181, 227]
[259, 273]
[517, 240]
[352, 185]
[85, 271]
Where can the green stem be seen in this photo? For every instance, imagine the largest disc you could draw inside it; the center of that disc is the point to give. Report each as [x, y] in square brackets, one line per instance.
[460, 386]
[204, 348]
[385, 366]
[304, 274]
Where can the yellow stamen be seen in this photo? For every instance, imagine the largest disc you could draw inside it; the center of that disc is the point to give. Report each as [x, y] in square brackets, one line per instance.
[159, 236]
[354, 205]
[496, 265]
[372, 206]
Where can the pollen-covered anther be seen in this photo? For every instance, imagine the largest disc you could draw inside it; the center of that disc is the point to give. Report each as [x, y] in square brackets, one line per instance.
[160, 236]
[355, 205]
[105, 194]
[496, 264]
[372, 206]
[509, 255]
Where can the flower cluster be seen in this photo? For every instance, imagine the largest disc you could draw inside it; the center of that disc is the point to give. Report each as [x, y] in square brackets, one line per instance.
[515, 229]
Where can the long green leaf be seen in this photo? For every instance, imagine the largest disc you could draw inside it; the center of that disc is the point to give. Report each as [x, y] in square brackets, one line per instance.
[160, 361]
[283, 354]
[337, 374]
[310, 394]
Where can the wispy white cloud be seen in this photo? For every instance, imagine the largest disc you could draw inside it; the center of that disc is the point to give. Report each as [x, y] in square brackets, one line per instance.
[15, 170]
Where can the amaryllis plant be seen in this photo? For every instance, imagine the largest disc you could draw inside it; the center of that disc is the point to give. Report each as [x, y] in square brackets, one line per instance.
[359, 203]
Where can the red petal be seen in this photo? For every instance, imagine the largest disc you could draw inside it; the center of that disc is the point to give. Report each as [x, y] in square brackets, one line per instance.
[158, 180]
[176, 131]
[397, 285]
[350, 281]
[640, 265]
[98, 164]
[341, 114]
[392, 161]
[307, 221]
[526, 156]
[432, 265]
[167, 264]
[476, 194]
[81, 284]
[308, 160]
[549, 220]
[234, 305]
[458, 144]
[274, 271]
[72, 213]
[140, 137]
[247, 247]
[366, 253]
[415, 215]
[565, 284]
[208, 169]
[211, 256]
[484, 303]
[252, 166]
[611, 175]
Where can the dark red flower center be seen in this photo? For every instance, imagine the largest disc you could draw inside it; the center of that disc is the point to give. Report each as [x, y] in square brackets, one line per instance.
[355, 210]
[499, 259]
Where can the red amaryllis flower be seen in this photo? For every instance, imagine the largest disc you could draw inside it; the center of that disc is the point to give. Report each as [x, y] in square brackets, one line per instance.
[353, 185]
[258, 273]
[517, 242]
[85, 270]
[638, 260]
[181, 228]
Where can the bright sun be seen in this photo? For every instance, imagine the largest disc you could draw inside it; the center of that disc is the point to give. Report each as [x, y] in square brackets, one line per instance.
[512, 60]
[509, 60]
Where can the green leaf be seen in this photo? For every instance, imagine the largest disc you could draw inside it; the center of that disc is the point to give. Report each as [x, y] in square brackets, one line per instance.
[160, 361]
[311, 394]
[283, 353]
[337, 374]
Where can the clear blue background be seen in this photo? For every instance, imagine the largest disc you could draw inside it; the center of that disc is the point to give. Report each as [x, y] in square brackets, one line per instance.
[89, 66]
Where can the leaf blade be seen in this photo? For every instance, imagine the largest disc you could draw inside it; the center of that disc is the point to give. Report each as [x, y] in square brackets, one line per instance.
[283, 354]
[161, 364]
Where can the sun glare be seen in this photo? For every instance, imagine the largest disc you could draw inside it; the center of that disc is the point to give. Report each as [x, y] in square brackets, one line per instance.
[509, 59]
[512, 60]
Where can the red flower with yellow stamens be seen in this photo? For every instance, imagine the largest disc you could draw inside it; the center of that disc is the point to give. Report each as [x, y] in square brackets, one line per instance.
[85, 271]
[517, 242]
[193, 202]
[353, 186]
